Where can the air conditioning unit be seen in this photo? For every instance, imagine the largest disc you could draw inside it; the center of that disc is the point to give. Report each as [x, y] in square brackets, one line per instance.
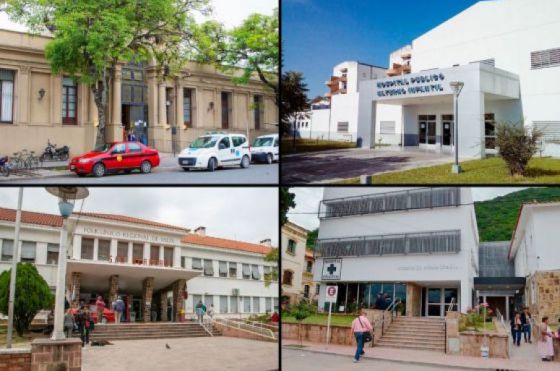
[235, 292]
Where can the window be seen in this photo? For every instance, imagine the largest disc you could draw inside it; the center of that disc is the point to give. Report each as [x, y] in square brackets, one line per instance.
[545, 58]
[287, 277]
[168, 256]
[306, 291]
[122, 251]
[246, 271]
[137, 253]
[223, 304]
[238, 141]
[317, 289]
[255, 272]
[258, 109]
[233, 269]
[549, 129]
[208, 268]
[224, 143]
[197, 263]
[134, 147]
[309, 266]
[208, 301]
[267, 270]
[256, 305]
[69, 100]
[291, 247]
[188, 107]
[225, 110]
[87, 248]
[104, 250]
[28, 250]
[275, 304]
[183, 262]
[490, 130]
[223, 271]
[7, 250]
[268, 304]
[119, 148]
[342, 127]
[247, 304]
[387, 127]
[233, 307]
[154, 255]
[196, 299]
[6, 95]
[52, 253]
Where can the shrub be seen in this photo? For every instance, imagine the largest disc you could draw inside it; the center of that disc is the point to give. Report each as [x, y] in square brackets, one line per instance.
[517, 144]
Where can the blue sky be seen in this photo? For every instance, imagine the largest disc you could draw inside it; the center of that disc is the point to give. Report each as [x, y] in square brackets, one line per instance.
[318, 34]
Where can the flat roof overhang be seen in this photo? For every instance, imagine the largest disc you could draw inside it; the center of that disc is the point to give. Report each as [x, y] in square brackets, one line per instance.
[495, 83]
[95, 275]
[499, 283]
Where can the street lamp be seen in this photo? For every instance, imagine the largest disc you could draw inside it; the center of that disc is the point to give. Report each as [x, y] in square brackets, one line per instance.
[456, 87]
[67, 196]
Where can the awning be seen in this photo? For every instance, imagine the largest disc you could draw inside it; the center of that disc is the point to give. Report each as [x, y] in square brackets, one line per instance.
[499, 283]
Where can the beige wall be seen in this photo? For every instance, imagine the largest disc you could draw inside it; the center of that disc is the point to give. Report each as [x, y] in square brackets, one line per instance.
[294, 262]
[36, 120]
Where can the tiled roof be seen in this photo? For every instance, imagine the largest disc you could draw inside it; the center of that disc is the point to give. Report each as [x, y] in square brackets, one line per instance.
[197, 239]
[128, 219]
[30, 217]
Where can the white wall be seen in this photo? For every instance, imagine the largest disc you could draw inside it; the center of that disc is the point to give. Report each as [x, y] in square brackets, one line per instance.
[345, 109]
[295, 263]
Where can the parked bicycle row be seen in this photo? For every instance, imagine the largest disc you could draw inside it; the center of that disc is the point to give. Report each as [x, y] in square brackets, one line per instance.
[27, 160]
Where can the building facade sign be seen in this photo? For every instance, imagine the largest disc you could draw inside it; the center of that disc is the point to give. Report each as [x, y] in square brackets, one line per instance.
[138, 236]
[432, 83]
[428, 267]
[331, 269]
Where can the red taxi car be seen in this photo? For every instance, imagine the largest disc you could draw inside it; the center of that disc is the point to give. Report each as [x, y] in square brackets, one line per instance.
[115, 156]
[108, 314]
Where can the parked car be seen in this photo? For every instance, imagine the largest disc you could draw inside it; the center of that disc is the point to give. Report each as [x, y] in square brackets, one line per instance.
[265, 149]
[115, 156]
[216, 150]
[108, 314]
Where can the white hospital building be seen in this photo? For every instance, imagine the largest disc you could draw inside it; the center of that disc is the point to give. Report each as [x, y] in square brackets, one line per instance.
[507, 54]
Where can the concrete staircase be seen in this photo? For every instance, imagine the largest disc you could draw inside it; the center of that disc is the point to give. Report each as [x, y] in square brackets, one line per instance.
[152, 330]
[415, 333]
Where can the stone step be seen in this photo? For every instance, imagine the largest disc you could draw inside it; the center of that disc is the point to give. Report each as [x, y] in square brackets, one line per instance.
[397, 335]
[144, 336]
[402, 340]
[418, 320]
[416, 328]
[413, 346]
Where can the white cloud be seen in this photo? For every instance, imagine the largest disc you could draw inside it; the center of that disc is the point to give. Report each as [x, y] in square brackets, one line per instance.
[244, 214]
[307, 203]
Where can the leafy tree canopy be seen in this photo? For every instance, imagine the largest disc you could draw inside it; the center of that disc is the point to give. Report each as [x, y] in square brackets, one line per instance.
[272, 257]
[286, 202]
[293, 97]
[312, 238]
[32, 295]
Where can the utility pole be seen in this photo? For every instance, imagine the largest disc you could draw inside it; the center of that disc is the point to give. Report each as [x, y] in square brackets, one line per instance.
[15, 255]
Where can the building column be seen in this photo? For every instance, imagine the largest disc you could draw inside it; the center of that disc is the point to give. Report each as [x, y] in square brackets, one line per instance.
[162, 113]
[163, 305]
[147, 293]
[114, 128]
[75, 284]
[507, 308]
[129, 257]
[113, 289]
[56, 100]
[113, 251]
[176, 257]
[26, 100]
[77, 247]
[161, 256]
[179, 287]
[146, 254]
[95, 248]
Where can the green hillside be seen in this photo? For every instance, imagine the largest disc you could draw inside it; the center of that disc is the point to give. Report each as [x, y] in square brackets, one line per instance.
[496, 218]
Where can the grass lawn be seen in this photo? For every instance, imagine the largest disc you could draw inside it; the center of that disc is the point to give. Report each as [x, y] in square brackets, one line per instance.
[312, 145]
[321, 319]
[18, 341]
[487, 171]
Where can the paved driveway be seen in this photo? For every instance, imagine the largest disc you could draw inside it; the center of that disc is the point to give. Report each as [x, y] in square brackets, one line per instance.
[206, 353]
[329, 166]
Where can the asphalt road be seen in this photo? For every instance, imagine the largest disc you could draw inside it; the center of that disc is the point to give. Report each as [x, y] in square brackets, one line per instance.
[295, 360]
[172, 174]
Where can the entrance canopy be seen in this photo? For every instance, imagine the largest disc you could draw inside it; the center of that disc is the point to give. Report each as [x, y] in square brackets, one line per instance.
[95, 275]
[499, 283]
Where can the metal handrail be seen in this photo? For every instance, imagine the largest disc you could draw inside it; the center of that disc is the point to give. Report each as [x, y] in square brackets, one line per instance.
[247, 327]
[451, 304]
[206, 328]
[390, 308]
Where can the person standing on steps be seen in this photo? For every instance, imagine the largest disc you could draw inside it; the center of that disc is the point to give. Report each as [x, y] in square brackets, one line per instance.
[517, 328]
[198, 310]
[100, 306]
[118, 307]
[360, 326]
[526, 324]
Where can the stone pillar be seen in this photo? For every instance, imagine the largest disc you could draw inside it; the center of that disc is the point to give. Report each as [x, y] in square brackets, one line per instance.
[413, 300]
[75, 283]
[113, 289]
[25, 99]
[452, 338]
[178, 299]
[76, 247]
[146, 253]
[95, 249]
[56, 99]
[129, 255]
[47, 354]
[179, 104]
[114, 127]
[162, 113]
[163, 305]
[113, 250]
[147, 292]
[161, 256]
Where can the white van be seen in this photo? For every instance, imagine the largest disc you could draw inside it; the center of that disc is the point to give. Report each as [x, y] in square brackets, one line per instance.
[216, 150]
[265, 149]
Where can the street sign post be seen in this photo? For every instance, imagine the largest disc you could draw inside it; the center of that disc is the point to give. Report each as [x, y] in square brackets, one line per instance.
[332, 293]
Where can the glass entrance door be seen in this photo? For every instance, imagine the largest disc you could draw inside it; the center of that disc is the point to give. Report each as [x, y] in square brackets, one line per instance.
[427, 129]
[447, 133]
[439, 301]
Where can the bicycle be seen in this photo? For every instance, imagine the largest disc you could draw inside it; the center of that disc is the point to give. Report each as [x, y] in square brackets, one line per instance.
[4, 166]
[17, 162]
[32, 161]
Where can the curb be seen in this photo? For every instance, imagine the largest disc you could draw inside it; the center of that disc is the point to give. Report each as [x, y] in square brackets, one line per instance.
[415, 363]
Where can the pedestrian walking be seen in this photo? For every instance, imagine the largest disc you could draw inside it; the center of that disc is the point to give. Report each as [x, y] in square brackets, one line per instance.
[526, 324]
[69, 323]
[100, 306]
[118, 307]
[211, 313]
[198, 310]
[544, 345]
[517, 328]
[361, 328]
[84, 322]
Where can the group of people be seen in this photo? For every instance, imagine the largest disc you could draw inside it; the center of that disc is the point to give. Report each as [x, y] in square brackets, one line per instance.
[80, 321]
[521, 324]
[201, 310]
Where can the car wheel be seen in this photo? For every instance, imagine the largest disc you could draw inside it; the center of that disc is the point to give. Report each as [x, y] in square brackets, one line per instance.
[245, 161]
[99, 170]
[186, 168]
[269, 159]
[146, 167]
[212, 165]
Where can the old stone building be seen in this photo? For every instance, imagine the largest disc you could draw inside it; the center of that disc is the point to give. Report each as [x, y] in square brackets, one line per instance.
[167, 113]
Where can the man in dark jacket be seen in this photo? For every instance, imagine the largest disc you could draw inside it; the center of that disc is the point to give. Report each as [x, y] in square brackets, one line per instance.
[380, 302]
[526, 324]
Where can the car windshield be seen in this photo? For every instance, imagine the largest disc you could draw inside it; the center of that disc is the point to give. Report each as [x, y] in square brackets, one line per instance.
[204, 142]
[263, 142]
[102, 148]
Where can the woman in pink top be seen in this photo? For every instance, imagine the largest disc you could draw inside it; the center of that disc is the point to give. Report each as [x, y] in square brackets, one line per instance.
[100, 306]
[359, 326]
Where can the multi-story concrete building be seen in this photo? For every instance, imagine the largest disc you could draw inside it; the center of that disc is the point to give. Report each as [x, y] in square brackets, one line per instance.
[37, 105]
[158, 269]
[293, 248]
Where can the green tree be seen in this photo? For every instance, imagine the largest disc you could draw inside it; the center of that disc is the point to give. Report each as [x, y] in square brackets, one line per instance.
[301, 311]
[272, 257]
[311, 239]
[286, 202]
[517, 144]
[32, 295]
[252, 48]
[293, 98]
[92, 37]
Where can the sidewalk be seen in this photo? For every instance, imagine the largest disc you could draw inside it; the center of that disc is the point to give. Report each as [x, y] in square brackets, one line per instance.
[419, 357]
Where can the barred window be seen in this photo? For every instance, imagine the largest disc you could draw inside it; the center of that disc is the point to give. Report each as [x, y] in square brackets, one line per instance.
[342, 127]
[208, 268]
[197, 263]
